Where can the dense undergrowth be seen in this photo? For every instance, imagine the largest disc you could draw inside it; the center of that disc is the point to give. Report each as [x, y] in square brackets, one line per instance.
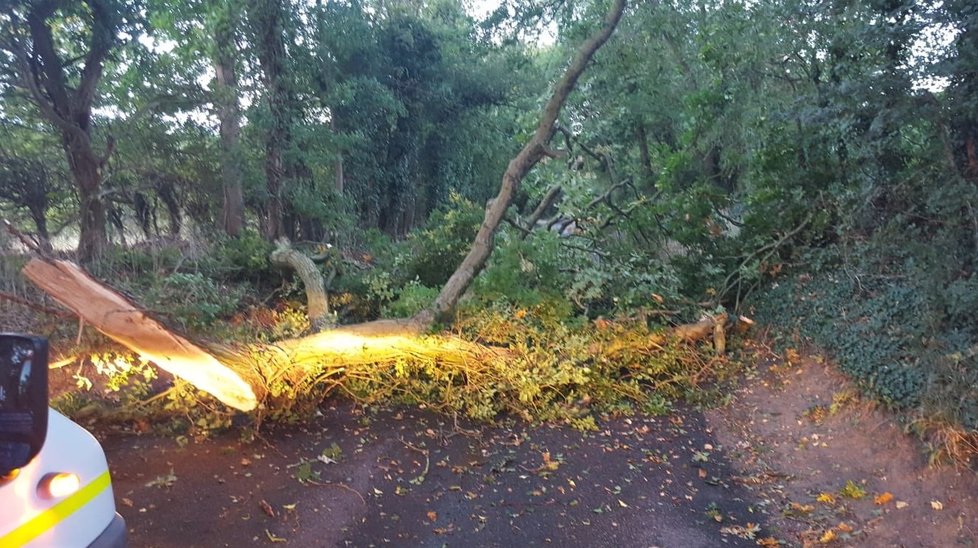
[567, 343]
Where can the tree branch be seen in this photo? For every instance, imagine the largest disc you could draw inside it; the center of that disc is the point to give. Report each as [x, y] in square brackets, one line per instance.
[517, 169]
[104, 22]
[548, 200]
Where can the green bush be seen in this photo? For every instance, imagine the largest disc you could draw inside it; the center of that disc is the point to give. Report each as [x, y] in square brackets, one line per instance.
[244, 258]
[193, 300]
[413, 298]
[905, 336]
[524, 272]
[138, 264]
[435, 251]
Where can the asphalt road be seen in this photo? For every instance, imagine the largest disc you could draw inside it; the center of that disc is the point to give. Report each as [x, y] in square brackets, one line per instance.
[413, 478]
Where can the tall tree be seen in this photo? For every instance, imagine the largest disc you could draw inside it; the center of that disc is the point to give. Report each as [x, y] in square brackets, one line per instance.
[224, 56]
[26, 183]
[268, 20]
[962, 93]
[59, 51]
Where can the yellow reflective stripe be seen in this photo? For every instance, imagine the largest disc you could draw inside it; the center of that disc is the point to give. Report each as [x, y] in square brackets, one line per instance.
[47, 519]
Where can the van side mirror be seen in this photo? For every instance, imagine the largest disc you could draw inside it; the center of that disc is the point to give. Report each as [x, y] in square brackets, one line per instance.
[23, 399]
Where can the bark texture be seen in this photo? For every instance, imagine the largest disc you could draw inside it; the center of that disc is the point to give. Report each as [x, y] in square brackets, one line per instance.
[312, 279]
[267, 18]
[229, 114]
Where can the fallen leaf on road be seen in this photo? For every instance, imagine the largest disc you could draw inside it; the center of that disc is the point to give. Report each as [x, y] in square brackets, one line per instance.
[432, 516]
[800, 509]
[748, 531]
[163, 481]
[901, 505]
[883, 498]
[828, 537]
[937, 505]
[852, 490]
[825, 498]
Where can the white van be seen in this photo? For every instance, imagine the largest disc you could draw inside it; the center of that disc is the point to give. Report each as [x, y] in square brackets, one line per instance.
[55, 489]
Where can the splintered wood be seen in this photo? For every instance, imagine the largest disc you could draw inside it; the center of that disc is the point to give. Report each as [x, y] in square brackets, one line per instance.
[120, 320]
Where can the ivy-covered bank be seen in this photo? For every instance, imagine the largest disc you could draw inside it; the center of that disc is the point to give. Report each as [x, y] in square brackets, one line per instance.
[905, 334]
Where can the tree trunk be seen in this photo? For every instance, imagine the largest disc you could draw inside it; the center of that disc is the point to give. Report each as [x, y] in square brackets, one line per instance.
[167, 193]
[92, 239]
[339, 181]
[120, 320]
[338, 168]
[229, 115]
[268, 20]
[39, 216]
[68, 106]
[646, 158]
[532, 152]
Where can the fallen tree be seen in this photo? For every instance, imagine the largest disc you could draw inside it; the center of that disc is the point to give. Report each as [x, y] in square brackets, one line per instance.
[526, 366]
[317, 304]
[397, 357]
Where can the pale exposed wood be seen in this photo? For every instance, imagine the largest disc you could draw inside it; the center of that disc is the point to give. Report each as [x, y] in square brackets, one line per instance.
[691, 332]
[117, 318]
[720, 334]
[715, 326]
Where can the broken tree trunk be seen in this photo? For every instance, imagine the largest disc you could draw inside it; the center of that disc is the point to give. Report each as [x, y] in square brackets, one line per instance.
[120, 320]
[707, 326]
[244, 375]
[535, 150]
[316, 300]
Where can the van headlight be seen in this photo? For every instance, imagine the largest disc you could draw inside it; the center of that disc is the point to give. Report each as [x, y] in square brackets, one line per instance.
[58, 485]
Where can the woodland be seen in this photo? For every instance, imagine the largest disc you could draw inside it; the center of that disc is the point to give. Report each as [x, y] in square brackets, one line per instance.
[544, 208]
